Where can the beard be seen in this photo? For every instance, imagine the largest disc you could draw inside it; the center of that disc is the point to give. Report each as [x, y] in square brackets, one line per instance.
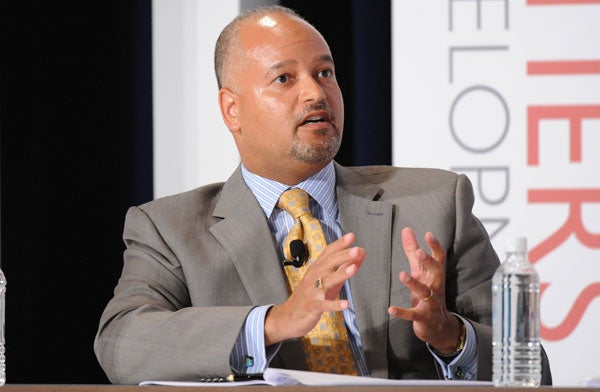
[317, 152]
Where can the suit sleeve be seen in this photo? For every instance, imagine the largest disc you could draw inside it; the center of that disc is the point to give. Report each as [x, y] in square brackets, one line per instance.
[149, 330]
[471, 264]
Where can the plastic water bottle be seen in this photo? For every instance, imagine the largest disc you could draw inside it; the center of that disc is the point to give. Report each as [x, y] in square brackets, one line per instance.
[516, 320]
[2, 303]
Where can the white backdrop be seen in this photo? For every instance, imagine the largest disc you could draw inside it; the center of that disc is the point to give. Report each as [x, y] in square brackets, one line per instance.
[192, 146]
[508, 92]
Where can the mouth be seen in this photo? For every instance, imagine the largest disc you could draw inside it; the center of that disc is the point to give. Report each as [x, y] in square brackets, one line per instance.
[317, 117]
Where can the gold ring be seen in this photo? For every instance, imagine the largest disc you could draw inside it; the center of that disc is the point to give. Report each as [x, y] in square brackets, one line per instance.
[319, 284]
[429, 296]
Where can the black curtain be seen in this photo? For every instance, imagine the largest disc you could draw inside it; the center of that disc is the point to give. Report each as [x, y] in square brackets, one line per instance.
[76, 152]
[359, 36]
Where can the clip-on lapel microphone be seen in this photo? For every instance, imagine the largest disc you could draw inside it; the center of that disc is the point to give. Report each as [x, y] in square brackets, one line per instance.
[299, 254]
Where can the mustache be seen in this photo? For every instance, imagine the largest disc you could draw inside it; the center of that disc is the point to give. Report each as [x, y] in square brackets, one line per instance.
[321, 105]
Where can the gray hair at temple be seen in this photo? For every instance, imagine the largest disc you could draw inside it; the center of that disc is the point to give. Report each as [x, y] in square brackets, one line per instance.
[229, 38]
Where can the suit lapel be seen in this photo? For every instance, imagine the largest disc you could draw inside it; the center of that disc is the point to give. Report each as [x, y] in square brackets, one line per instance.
[244, 233]
[371, 222]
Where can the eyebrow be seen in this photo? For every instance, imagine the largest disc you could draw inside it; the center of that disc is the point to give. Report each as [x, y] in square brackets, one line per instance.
[275, 67]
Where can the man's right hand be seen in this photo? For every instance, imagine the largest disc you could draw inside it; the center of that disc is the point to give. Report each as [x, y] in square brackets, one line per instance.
[303, 308]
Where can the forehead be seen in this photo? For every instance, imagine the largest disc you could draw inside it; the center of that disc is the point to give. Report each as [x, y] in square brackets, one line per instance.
[278, 37]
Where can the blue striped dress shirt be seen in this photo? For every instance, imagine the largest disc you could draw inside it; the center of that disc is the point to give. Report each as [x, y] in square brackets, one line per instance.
[249, 354]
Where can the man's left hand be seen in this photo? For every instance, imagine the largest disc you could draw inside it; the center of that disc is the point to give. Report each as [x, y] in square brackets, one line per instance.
[432, 322]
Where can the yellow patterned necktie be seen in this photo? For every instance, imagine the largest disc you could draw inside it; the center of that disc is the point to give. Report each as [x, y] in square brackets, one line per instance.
[326, 346]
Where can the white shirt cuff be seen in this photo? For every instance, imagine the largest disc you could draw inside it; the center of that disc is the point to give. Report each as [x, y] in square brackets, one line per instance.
[249, 354]
[464, 365]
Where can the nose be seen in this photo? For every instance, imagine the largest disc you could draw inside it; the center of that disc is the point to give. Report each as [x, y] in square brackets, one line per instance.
[311, 90]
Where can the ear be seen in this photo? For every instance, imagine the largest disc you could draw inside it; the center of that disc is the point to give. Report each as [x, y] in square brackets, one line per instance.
[229, 105]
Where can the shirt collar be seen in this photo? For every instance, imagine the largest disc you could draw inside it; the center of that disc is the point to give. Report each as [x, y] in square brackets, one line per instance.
[320, 186]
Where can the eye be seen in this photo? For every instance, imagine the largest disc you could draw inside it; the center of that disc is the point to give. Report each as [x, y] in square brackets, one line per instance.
[282, 79]
[325, 73]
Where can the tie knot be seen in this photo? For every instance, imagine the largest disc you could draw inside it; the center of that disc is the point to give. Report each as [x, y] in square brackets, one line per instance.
[295, 202]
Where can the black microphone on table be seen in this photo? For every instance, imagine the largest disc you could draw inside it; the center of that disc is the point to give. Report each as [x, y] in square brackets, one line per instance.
[299, 254]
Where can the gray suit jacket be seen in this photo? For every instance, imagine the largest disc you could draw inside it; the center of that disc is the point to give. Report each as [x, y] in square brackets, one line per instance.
[196, 263]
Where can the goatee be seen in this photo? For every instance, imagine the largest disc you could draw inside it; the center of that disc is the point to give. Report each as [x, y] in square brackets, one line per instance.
[315, 153]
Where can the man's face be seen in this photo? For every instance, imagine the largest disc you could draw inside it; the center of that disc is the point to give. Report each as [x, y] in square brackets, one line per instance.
[290, 107]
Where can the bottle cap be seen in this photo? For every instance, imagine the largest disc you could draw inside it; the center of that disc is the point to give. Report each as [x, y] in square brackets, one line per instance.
[517, 244]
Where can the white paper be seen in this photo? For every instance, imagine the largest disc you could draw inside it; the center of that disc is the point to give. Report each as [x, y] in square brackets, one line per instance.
[274, 376]
[205, 384]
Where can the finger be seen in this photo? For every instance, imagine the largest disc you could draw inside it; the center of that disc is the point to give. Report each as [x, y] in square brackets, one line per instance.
[341, 243]
[344, 264]
[320, 302]
[340, 275]
[421, 260]
[437, 250]
[420, 289]
[351, 261]
[332, 279]
[338, 305]
[433, 263]
[331, 261]
[403, 313]
[344, 242]
[428, 263]
[411, 246]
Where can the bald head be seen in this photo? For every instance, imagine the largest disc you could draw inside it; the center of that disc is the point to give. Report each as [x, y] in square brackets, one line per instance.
[228, 44]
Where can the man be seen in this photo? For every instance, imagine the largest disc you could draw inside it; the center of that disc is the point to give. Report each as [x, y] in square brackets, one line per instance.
[203, 290]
